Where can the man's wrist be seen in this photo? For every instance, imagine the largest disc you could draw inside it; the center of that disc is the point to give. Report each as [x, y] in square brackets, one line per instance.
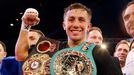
[26, 27]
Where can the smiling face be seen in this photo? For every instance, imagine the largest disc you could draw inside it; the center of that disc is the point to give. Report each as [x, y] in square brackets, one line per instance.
[128, 18]
[121, 52]
[76, 24]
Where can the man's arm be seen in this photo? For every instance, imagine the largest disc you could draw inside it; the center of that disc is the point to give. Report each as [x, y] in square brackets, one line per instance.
[105, 62]
[30, 18]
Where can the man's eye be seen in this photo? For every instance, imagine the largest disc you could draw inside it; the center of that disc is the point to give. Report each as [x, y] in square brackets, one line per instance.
[31, 37]
[70, 19]
[126, 17]
[93, 37]
[126, 51]
[119, 49]
[100, 38]
[81, 19]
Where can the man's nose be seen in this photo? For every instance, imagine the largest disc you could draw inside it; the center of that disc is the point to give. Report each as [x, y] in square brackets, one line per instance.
[76, 23]
[97, 42]
[122, 51]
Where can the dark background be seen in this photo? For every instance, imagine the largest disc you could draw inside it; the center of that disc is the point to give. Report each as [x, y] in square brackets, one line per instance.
[106, 15]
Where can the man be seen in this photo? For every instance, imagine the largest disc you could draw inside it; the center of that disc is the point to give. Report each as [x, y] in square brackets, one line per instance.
[33, 36]
[121, 52]
[3, 54]
[95, 35]
[8, 65]
[75, 30]
[76, 23]
[128, 18]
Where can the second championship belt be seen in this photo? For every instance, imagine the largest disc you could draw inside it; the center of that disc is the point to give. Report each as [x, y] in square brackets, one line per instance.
[38, 62]
[74, 61]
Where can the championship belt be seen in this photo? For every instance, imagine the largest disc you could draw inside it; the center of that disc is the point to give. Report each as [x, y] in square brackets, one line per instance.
[74, 61]
[38, 63]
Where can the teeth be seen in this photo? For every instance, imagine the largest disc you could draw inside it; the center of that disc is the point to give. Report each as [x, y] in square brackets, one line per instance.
[76, 30]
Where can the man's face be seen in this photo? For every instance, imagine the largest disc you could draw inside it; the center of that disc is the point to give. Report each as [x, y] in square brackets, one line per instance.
[33, 38]
[95, 36]
[128, 19]
[121, 52]
[76, 23]
[2, 53]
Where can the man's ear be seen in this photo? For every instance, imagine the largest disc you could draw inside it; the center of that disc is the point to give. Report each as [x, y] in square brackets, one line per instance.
[63, 25]
[114, 54]
[89, 26]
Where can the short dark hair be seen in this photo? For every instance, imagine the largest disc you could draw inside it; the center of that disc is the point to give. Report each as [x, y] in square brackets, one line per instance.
[122, 42]
[78, 6]
[95, 28]
[38, 31]
[4, 46]
[130, 3]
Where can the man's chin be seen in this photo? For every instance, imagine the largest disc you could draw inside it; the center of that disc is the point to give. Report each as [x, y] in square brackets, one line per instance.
[75, 39]
[131, 33]
[121, 59]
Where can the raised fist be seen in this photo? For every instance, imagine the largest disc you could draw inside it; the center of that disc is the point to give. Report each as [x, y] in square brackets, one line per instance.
[30, 17]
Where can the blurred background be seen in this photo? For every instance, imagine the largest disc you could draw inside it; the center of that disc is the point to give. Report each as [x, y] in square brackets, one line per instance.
[106, 15]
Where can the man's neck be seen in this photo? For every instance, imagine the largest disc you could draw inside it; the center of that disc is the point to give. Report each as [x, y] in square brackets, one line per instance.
[122, 64]
[75, 43]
